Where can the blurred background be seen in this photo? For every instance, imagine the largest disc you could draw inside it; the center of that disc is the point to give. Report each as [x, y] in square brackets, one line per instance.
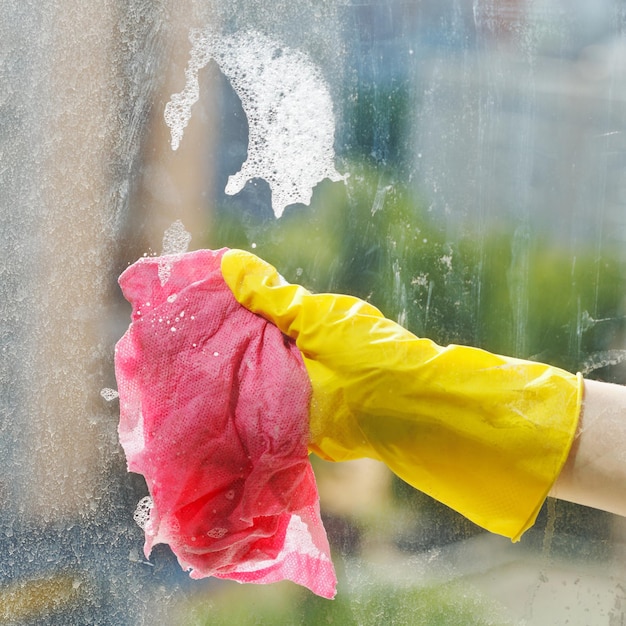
[484, 203]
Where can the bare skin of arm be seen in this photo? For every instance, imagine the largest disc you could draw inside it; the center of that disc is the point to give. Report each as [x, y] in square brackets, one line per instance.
[595, 472]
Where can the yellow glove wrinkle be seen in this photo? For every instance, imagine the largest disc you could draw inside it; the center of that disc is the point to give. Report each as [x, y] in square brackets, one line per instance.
[485, 434]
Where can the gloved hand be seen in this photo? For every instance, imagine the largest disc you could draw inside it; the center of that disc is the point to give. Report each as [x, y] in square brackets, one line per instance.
[485, 434]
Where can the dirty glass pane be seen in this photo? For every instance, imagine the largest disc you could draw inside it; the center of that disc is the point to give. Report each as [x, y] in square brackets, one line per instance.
[460, 165]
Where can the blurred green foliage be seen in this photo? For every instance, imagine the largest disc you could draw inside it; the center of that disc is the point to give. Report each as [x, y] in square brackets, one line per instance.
[506, 289]
[449, 604]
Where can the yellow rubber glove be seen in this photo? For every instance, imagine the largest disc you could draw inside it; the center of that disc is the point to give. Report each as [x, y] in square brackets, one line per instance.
[485, 434]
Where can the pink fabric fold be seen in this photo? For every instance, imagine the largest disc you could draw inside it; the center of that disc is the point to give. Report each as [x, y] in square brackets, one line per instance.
[214, 413]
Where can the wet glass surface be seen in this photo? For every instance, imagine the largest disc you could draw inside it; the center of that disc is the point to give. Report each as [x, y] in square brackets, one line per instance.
[467, 176]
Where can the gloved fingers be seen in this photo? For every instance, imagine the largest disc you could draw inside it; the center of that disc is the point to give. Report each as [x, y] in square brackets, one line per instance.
[259, 287]
[321, 324]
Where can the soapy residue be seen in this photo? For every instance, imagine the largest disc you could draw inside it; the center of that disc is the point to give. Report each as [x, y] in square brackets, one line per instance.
[109, 394]
[176, 240]
[288, 106]
[603, 358]
[142, 512]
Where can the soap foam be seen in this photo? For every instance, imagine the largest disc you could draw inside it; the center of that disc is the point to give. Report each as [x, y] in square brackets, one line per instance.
[288, 106]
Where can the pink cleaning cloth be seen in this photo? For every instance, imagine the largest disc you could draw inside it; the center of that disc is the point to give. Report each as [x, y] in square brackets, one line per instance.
[214, 405]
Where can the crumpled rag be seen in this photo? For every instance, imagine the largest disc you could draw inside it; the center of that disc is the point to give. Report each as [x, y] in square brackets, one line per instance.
[214, 406]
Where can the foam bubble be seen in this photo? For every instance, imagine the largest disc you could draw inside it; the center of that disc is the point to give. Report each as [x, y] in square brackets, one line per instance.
[217, 533]
[109, 394]
[142, 512]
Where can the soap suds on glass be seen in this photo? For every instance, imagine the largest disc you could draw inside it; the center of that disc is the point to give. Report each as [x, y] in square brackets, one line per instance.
[176, 240]
[142, 512]
[109, 394]
[288, 106]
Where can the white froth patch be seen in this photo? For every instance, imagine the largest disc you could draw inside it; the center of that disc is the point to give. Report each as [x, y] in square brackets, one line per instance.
[288, 106]
[176, 240]
[109, 394]
[142, 512]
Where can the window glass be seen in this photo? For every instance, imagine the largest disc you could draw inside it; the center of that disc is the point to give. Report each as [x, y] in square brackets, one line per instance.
[460, 165]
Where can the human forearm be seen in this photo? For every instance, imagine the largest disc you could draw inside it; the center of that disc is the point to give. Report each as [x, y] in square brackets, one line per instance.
[595, 472]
